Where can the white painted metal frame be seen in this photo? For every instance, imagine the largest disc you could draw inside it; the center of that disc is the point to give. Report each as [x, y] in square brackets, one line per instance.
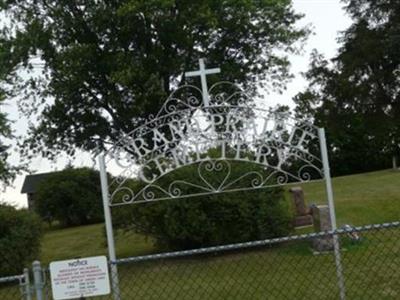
[191, 122]
[185, 129]
[332, 212]
[109, 229]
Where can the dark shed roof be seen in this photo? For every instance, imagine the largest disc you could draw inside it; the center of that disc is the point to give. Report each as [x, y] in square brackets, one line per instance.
[31, 182]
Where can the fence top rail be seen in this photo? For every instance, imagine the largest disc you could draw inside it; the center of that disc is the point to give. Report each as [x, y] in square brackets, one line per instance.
[11, 278]
[255, 243]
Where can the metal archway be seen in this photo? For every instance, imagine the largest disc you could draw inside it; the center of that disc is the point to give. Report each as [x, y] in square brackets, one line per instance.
[180, 135]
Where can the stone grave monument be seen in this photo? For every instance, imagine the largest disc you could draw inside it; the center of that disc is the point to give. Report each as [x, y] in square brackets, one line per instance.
[322, 222]
[303, 215]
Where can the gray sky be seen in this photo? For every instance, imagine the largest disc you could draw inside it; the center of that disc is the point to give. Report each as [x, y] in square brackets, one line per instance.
[327, 19]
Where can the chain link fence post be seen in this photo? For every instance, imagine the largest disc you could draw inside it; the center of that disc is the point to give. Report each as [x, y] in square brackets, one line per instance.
[339, 267]
[115, 281]
[26, 285]
[109, 228]
[331, 205]
[38, 279]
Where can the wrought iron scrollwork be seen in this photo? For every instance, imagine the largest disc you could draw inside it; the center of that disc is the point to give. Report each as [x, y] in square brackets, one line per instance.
[183, 132]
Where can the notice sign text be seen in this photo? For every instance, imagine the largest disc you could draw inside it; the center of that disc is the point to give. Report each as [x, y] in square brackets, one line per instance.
[76, 278]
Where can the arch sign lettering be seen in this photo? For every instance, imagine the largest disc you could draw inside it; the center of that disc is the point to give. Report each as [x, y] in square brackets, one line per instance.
[211, 130]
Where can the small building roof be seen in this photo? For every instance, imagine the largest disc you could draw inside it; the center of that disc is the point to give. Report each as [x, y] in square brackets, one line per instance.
[31, 182]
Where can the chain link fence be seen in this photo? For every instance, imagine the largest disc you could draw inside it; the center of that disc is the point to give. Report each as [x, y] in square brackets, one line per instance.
[14, 287]
[282, 268]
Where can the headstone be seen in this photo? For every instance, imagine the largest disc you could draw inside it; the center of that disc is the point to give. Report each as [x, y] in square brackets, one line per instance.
[301, 221]
[302, 213]
[322, 222]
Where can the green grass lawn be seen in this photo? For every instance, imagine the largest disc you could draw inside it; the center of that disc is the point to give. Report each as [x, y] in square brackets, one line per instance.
[289, 271]
[360, 199]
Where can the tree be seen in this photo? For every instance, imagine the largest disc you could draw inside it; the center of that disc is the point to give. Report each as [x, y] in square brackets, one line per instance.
[109, 64]
[71, 197]
[20, 234]
[213, 219]
[7, 172]
[356, 95]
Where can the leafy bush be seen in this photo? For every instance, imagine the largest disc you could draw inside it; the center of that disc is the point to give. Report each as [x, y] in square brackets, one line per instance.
[209, 220]
[20, 233]
[72, 197]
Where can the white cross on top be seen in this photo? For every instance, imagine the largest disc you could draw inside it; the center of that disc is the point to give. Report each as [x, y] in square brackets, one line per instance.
[203, 72]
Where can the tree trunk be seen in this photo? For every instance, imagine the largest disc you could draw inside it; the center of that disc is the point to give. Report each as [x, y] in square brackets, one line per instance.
[394, 162]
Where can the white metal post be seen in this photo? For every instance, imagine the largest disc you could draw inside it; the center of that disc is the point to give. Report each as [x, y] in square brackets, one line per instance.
[109, 228]
[38, 279]
[332, 213]
[26, 285]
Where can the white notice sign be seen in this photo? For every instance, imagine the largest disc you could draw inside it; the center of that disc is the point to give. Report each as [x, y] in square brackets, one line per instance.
[76, 278]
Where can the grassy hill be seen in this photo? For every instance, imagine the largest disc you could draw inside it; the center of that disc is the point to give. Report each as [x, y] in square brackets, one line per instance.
[363, 198]
[285, 271]
[360, 199]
